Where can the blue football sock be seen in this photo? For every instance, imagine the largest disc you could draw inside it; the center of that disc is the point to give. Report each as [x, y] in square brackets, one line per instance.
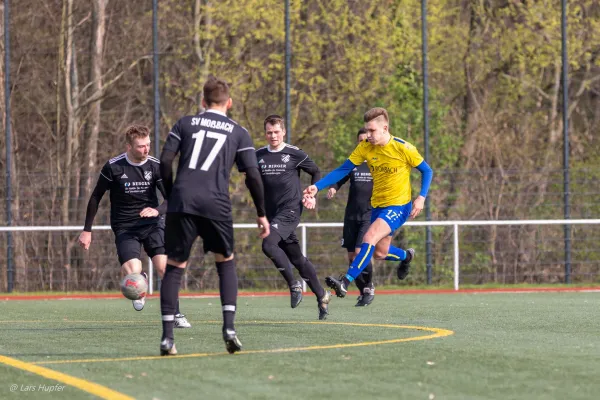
[396, 254]
[360, 261]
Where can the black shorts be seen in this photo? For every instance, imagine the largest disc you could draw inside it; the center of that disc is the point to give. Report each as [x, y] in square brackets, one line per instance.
[354, 230]
[182, 230]
[284, 224]
[129, 242]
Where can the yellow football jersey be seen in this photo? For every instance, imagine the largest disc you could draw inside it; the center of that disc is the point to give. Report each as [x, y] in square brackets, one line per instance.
[390, 167]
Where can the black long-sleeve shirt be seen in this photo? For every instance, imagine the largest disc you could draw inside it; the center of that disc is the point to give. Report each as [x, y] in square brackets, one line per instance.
[358, 207]
[132, 188]
[280, 171]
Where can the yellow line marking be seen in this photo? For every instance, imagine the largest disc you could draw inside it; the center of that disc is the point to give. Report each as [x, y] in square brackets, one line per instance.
[437, 333]
[393, 255]
[87, 386]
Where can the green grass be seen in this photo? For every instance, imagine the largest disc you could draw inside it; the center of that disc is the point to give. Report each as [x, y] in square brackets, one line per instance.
[504, 346]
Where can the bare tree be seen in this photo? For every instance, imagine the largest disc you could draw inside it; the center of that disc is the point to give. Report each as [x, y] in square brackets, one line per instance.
[90, 149]
[202, 48]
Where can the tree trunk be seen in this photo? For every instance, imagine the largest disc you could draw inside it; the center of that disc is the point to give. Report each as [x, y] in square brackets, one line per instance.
[90, 149]
[69, 140]
[19, 256]
[203, 52]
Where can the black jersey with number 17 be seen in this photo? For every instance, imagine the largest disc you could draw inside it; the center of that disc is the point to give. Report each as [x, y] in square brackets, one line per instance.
[209, 143]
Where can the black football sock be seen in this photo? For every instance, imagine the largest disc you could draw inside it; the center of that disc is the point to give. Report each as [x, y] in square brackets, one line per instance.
[367, 275]
[305, 268]
[169, 292]
[228, 289]
[360, 281]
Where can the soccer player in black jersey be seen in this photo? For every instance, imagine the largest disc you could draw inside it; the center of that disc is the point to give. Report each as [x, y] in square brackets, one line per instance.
[357, 219]
[280, 165]
[199, 205]
[135, 216]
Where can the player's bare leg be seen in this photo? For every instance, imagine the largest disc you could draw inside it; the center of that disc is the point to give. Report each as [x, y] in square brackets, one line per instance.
[134, 266]
[378, 230]
[385, 251]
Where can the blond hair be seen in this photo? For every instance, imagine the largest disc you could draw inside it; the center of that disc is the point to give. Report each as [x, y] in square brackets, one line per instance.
[136, 132]
[375, 113]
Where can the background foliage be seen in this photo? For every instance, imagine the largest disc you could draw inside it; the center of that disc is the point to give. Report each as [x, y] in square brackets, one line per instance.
[82, 71]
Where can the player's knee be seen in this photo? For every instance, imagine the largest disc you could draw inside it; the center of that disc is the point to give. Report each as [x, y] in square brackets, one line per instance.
[351, 256]
[160, 269]
[132, 266]
[380, 255]
[269, 248]
[298, 261]
[220, 258]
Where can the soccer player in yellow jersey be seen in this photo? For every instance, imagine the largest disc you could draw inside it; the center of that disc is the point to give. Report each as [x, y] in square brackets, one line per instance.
[390, 160]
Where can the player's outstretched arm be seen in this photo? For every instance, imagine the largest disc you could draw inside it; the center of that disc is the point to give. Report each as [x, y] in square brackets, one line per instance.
[426, 178]
[85, 238]
[329, 179]
[255, 186]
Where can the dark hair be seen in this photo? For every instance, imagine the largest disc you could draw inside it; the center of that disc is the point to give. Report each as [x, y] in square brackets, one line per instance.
[216, 91]
[136, 132]
[274, 119]
[376, 113]
[361, 131]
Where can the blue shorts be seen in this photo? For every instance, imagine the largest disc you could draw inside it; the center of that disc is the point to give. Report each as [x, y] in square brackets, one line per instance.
[394, 216]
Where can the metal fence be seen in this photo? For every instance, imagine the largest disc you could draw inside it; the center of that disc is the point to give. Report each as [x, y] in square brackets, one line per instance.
[465, 252]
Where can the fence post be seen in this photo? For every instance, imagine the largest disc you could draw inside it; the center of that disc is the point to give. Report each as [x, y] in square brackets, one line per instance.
[288, 72]
[8, 163]
[156, 78]
[150, 275]
[304, 253]
[456, 257]
[565, 112]
[424, 55]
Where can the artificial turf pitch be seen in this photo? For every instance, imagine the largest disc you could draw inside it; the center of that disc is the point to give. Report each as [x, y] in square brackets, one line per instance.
[426, 346]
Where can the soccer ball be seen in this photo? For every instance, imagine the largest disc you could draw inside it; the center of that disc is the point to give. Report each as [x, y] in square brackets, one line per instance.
[134, 286]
